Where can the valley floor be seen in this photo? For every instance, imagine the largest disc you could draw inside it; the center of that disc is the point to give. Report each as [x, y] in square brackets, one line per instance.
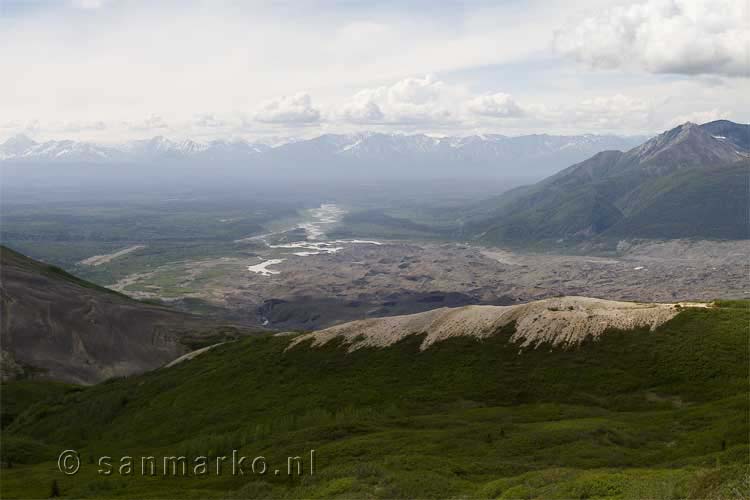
[365, 279]
[309, 264]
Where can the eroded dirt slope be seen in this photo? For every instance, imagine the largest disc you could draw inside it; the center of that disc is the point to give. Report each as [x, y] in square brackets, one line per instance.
[564, 321]
[57, 326]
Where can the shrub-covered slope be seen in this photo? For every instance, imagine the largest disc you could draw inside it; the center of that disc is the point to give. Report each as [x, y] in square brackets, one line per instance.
[635, 413]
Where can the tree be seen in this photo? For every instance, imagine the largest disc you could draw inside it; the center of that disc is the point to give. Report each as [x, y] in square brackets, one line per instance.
[55, 489]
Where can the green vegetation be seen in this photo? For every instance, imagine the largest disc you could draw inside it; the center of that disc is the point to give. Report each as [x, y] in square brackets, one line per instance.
[706, 203]
[18, 396]
[632, 415]
[376, 224]
[11, 256]
[65, 233]
[711, 204]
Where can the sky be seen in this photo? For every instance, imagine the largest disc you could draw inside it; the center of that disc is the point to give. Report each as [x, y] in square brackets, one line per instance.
[116, 70]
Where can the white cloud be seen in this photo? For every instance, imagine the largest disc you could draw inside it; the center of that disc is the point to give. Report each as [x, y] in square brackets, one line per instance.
[688, 37]
[164, 57]
[415, 91]
[362, 108]
[14, 127]
[617, 113]
[151, 123]
[78, 126]
[294, 109]
[615, 104]
[13, 124]
[696, 117]
[497, 105]
[362, 66]
[610, 113]
[208, 120]
[411, 100]
[87, 4]
[427, 102]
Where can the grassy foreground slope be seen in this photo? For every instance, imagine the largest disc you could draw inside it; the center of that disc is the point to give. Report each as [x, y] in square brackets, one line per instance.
[635, 414]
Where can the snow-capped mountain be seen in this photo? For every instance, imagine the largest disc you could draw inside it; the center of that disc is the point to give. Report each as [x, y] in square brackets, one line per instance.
[16, 145]
[532, 155]
[21, 147]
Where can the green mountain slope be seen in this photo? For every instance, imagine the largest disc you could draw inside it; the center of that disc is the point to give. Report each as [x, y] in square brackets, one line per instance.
[59, 327]
[634, 414]
[686, 182]
[691, 204]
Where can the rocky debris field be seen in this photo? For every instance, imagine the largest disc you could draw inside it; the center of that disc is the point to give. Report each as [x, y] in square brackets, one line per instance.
[366, 280]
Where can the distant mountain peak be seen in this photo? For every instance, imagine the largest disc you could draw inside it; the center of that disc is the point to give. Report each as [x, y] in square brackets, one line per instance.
[688, 144]
[689, 181]
[16, 145]
[190, 146]
[20, 139]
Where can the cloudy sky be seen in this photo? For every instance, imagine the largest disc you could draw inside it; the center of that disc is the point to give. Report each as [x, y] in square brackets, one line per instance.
[113, 70]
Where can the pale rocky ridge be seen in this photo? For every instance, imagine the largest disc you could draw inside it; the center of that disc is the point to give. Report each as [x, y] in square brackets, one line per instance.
[563, 322]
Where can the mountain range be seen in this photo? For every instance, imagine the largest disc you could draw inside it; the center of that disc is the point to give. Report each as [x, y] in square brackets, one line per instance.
[690, 181]
[350, 154]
